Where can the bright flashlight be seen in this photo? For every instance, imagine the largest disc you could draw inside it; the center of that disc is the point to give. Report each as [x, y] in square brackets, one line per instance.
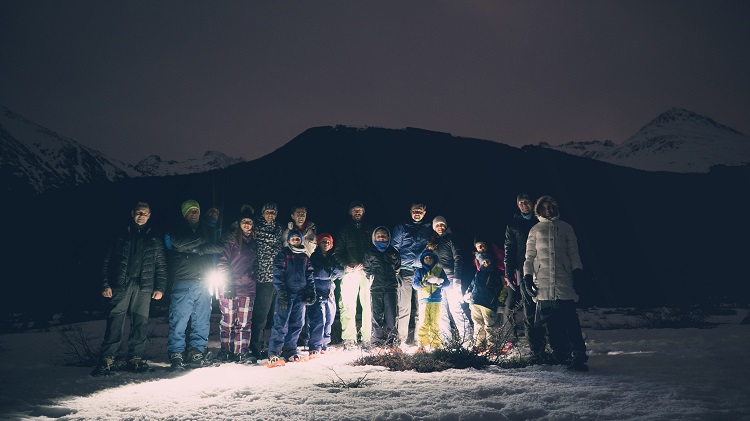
[215, 281]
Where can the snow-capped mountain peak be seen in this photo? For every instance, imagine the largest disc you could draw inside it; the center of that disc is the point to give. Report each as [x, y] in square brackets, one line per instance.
[35, 159]
[677, 140]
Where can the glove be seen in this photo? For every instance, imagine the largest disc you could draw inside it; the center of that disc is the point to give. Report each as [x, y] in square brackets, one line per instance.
[282, 301]
[310, 296]
[229, 291]
[528, 286]
[511, 281]
[578, 280]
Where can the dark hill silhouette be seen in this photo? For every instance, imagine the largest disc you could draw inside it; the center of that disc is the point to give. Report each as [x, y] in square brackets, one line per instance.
[646, 238]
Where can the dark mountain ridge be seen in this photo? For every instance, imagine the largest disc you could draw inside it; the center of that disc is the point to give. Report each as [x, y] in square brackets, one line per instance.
[647, 238]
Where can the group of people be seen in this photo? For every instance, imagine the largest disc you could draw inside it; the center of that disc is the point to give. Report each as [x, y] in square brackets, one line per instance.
[302, 279]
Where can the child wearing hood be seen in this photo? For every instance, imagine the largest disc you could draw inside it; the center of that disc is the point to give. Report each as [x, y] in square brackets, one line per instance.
[381, 265]
[295, 287]
[429, 281]
[482, 294]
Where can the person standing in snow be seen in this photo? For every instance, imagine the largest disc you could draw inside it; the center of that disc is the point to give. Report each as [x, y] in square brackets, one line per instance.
[192, 262]
[300, 223]
[429, 281]
[483, 295]
[353, 241]
[326, 270]
[409, 238]
[295, 287]
[237, 263]
[516, 234]
[268, 238]
[135, 272]
[552, 274]
[450, 259]
[381, 266]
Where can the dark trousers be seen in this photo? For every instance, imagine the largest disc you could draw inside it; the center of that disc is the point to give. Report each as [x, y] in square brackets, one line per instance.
[560, 319]
[264, 295]
[384, 313]
[135, 303]
[534, 333]
[287, 324]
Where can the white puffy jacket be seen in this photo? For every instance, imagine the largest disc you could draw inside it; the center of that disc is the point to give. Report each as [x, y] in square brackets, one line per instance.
[551, 256]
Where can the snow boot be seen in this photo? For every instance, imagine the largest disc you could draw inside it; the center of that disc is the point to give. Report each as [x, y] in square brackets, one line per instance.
[275, 361]
[245, 358]
[137, 365]
[105, 366]
[197, 359]
[225, 355]
[176, 361]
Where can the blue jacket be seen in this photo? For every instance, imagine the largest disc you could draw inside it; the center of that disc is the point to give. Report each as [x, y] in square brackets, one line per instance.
[325, 269]
[427, 292]
[292, 271]
[485, 288]
[410, 239]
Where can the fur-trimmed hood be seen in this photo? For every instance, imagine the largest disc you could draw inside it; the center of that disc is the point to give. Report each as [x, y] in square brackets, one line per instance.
[538, 208]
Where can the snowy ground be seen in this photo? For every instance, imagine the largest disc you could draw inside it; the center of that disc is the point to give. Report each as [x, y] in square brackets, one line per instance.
[636, 374]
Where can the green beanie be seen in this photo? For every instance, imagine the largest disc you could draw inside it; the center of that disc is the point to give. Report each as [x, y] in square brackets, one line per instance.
[189, 204]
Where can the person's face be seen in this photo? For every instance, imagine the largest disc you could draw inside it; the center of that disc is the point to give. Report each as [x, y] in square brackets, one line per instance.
[295, 240]
[440, 229]
[141, 215]
[480, 246]
[325, 244]
[299, 216]
[269, 215]
[357, 213]
[548, 210]
[524, 205]
[486, 263]
[381, 236]
[429, 260]
[212, 214]
[246, 225]
[417, 213]
[192, 216]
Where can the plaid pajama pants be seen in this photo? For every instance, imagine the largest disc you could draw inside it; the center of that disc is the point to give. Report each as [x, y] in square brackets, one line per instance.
[234, 327]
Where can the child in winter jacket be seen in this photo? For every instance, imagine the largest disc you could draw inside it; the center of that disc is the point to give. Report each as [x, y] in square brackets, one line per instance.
[482, 294]
[381, 265]
[428, 281]
[238, 294]
[293, 281]
[326, 270]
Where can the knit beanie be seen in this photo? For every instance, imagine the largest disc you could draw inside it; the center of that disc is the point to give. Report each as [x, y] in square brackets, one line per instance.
[292, 233]
[269, 206]
[320, 237]
[482, 257]
[522, 196]
[189, 204]
[439, 220]
[245, 213]
[355, 204]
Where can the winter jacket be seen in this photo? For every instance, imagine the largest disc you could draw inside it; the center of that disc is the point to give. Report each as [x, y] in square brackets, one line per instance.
[325, 269]
[238, 262]
[309, 231]
[292, 271]
[449, 255]
[268, 239]
[353, 241]
[192, 257]
[410, 239]
[382, 266]
[485, 288]
[516, 234]
[149, 262]
[429, 292]
[552, 256]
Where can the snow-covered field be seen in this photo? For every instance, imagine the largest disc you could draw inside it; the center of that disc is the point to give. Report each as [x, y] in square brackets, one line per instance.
[636, 374]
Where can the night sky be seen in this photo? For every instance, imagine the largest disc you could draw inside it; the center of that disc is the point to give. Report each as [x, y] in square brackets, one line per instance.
[177, 78]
